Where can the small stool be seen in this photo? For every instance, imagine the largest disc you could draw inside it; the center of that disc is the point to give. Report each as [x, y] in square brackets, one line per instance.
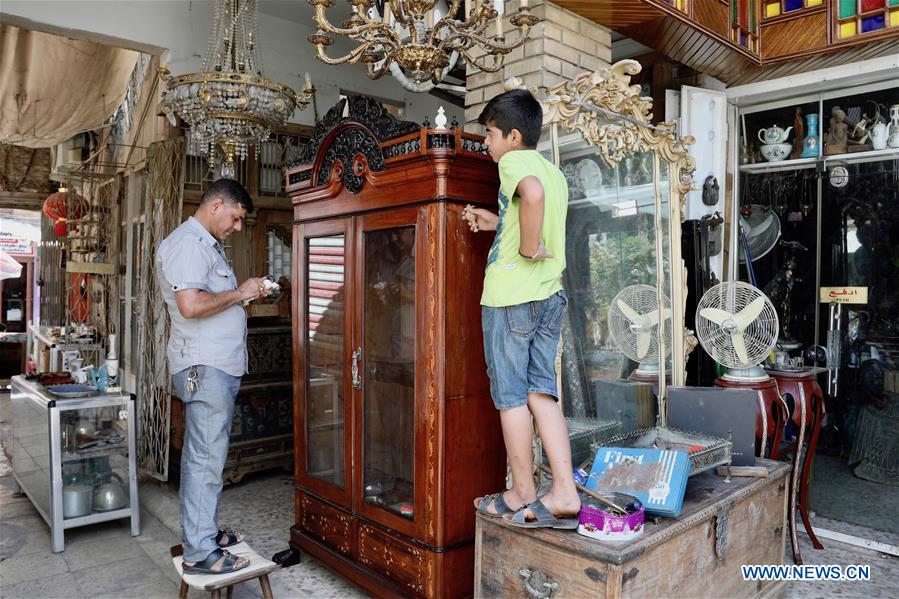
[259, 568]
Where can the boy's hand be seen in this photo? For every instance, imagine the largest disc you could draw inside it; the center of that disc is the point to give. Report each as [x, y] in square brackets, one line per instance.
[542, 254]
[479, 219]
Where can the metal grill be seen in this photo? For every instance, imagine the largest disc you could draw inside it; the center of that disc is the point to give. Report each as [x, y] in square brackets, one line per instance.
[166, 165]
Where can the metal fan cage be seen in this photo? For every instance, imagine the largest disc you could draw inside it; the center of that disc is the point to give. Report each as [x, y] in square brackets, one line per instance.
[759, 337]
[762, 229]
[642, 299]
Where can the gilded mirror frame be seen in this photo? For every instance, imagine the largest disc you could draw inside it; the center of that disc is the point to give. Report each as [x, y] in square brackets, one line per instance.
[614, 118]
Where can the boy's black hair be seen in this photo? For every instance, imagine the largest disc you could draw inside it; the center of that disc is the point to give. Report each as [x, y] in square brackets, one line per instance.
[515, 109]
[230, 191]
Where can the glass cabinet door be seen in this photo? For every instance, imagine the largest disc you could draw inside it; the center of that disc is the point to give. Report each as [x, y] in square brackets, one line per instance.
[325, 357]
[387, 367]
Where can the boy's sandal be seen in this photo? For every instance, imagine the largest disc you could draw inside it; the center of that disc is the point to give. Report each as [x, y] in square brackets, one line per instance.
[226, 562]
[227, 537]
[543, 518]
[499, 505]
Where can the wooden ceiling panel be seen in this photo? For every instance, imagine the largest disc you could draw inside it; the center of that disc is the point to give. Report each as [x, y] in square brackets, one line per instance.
[788, 47]
[781, 39]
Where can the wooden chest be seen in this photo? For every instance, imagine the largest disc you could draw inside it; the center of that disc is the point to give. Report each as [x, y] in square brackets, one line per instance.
[722, 526]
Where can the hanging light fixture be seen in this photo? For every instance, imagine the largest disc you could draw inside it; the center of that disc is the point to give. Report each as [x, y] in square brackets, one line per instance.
[229, 103]
[419, 41]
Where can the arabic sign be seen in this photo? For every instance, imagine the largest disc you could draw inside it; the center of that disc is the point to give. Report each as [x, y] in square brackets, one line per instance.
[844, 295]
[14, 244]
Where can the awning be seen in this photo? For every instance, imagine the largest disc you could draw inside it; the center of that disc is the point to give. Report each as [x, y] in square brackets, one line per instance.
[52, 88]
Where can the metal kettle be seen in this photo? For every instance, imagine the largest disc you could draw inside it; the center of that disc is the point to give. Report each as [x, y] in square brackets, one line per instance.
[110, 495]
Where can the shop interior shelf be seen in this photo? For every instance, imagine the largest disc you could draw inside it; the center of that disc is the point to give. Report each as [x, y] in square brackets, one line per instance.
[802, 163]
[87, 454]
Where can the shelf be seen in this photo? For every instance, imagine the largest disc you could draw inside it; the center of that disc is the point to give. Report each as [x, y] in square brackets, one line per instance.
[803, 163]
[90, 454]
[782, 165]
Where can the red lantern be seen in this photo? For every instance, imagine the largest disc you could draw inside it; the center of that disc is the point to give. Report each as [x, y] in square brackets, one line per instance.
[56, 208]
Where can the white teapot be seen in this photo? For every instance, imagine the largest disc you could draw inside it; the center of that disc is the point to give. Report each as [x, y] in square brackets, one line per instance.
[879, 134]
[774, 134]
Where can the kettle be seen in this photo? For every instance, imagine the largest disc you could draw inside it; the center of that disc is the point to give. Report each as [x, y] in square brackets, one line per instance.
[879, 136]
[110, 495]
[774, 134]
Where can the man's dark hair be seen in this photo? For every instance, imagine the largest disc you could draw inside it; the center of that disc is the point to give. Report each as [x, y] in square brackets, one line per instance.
[230, 191]
[515, 109]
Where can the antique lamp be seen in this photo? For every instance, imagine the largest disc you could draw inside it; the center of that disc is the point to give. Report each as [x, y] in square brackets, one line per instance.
[229, 103]
[419, 41]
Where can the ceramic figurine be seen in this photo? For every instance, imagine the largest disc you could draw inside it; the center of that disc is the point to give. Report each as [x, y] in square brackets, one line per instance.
[893, 141]
[798, 134]
[839, 132]
[810, 148]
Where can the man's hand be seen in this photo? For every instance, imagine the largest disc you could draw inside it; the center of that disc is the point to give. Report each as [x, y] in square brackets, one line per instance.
[253, 288]
[479, 219]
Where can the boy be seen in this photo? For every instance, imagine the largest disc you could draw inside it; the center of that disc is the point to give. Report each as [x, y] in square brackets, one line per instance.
[522, 310]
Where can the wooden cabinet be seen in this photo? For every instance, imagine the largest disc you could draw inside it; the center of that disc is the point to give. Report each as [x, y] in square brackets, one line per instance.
[394, 428]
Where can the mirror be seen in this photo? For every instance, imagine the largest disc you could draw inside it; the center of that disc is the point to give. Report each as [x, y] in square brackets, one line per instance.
[623, 236]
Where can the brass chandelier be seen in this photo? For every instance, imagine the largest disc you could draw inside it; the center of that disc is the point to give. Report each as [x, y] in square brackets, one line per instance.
[229, 103]
[416, 40]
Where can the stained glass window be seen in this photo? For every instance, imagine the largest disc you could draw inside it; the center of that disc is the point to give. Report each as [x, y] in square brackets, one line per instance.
[678, 4]
[858, 17]
[744, 23]
[775, 8]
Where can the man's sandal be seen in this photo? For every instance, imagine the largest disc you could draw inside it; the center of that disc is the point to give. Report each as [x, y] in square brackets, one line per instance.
[227, 563]
[227, 537]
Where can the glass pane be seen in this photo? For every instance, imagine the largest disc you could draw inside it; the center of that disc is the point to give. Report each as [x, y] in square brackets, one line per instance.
[611, 250]
[324, 358]
[847, 8]
[94, 450]
[872, 23]
[389, 369]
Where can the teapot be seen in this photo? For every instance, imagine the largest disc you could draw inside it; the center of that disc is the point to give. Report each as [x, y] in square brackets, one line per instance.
[774, 134]
[879, 135]
[110, 495]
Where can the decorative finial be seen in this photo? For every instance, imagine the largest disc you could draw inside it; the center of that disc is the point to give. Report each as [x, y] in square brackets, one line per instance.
[440, 119]
[513, 83]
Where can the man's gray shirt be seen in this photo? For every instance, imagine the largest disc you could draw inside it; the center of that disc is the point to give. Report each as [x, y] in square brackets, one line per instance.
[191, 258]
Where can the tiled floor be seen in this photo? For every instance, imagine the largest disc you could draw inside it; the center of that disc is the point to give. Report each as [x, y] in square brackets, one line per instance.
[104, 561]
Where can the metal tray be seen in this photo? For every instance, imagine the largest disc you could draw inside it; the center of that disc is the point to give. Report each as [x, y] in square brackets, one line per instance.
[716, 452]
[72, 391]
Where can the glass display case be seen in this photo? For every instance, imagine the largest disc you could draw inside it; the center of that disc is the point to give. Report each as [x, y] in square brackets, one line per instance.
[823, 233]
[74, 457]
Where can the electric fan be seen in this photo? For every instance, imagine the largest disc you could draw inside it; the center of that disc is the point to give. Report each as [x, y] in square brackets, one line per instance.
[737, 325]
[634, 325]
[762, 229]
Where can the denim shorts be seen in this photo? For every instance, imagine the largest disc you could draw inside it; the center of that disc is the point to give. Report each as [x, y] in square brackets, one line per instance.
[520, 344]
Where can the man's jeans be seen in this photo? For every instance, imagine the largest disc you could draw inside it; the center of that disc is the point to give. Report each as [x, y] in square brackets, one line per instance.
[208, 414]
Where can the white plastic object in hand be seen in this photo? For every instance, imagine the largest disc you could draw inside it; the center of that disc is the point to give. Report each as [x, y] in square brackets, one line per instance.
[268, 285]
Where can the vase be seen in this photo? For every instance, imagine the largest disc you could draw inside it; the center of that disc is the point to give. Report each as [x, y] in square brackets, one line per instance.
[893, 140]
[811, 146]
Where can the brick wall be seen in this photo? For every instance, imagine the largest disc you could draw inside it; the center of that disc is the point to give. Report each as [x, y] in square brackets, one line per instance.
[560, 47]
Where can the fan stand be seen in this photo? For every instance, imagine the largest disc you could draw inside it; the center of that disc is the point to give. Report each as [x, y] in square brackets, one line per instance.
[648, 372]
[769, 423]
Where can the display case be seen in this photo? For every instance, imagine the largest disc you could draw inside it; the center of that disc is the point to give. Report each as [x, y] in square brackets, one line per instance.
[75, 457]
[395, 430]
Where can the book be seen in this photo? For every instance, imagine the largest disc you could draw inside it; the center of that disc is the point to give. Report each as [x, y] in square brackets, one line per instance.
[657, 477]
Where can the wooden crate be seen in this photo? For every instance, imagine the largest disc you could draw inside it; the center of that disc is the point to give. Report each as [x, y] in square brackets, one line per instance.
[722, 526]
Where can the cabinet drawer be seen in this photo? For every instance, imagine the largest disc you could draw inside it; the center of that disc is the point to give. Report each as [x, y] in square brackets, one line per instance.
[327, 524]
[401, 562]
[506, 561]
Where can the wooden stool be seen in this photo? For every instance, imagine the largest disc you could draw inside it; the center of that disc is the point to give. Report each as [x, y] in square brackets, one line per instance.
[259, 568]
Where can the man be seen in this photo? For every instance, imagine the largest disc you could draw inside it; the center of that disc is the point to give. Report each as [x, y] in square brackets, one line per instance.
[207, 357]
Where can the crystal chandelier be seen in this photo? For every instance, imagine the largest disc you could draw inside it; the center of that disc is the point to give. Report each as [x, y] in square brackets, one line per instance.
[420, 40]
[229, 103]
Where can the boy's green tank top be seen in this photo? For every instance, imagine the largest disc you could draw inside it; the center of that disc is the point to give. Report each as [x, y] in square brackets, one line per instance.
[509, 278]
